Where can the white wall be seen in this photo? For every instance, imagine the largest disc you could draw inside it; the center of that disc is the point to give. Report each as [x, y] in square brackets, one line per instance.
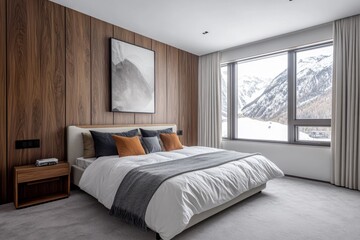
[316, 34]
[297, 160]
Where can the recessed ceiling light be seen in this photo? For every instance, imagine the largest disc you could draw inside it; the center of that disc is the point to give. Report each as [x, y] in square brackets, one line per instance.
[206, 32]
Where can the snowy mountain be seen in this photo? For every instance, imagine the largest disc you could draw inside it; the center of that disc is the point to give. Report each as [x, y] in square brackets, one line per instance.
[313, 86]
[254, 88]
[272, 102]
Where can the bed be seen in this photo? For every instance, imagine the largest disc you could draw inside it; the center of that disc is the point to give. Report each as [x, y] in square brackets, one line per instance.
[179, 202]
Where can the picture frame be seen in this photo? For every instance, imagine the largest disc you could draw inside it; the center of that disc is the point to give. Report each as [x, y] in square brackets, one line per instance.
[132, 74]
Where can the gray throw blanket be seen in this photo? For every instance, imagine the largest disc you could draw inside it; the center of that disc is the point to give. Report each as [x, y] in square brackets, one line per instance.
[140, 184]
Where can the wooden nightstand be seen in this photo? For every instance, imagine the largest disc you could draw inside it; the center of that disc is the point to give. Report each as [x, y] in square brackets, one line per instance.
[30, 176]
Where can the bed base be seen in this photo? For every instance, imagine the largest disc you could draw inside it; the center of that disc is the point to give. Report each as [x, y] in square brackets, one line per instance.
[76, 173]
[204, 215]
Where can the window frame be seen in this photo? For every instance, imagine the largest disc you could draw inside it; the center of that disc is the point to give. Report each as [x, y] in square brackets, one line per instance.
[229, 104]
[293, 122]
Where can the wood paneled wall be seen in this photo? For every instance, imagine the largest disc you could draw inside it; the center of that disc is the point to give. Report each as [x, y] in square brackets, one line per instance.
[54, 72]
[35, 81]
[3, 148]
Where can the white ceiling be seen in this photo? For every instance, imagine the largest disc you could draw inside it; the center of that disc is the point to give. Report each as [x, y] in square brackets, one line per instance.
[229, 22]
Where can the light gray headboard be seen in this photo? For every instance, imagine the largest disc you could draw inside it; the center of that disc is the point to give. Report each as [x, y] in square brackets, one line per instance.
[75, 141]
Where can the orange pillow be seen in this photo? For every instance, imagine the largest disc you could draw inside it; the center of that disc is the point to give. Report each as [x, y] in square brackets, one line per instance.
[170, 141]
[128, 146]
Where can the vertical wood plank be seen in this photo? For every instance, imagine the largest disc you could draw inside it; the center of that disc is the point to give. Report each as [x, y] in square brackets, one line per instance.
[126, 36]
[25, 114]
[184, 100]
[3, 149]
[78, 84]
[52, 77]
[101, 32]
[160, 82]
[145, 43]
[193, 70]
[172, 85]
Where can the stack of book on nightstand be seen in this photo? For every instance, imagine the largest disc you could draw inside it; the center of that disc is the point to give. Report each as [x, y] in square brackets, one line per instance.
[46, 162]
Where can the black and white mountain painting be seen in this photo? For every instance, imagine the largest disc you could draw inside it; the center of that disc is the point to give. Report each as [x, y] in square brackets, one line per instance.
[132, 78]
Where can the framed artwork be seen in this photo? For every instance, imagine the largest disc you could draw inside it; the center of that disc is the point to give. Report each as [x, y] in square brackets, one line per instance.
[132, 78]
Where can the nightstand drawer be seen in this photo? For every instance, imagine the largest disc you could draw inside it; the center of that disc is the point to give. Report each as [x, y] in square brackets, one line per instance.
[40, 175]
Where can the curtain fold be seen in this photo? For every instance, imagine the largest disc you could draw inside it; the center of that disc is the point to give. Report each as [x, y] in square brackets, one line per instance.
[209, 100]
[346, 103]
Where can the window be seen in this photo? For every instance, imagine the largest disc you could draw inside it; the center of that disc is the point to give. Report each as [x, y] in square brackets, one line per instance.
[313, 94]
[284, 97]
[262, 99]
[321, 134]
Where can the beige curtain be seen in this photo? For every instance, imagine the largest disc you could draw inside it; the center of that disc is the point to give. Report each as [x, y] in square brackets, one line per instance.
[209, 100]
[346, 103]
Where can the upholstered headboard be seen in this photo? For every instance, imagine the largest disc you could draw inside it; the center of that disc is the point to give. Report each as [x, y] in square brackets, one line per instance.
[75, 141]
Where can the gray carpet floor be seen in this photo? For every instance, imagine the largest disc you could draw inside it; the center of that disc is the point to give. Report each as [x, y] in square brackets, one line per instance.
[288, 209]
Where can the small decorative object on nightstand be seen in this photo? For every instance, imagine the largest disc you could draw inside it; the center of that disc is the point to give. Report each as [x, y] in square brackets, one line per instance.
[46, 162]
[30, 176]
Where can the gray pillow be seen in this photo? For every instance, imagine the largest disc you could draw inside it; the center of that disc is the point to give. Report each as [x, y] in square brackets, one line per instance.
[153, 133]
[151, 144]
[105, 144]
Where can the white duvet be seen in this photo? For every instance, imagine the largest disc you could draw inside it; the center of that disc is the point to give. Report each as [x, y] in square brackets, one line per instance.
[181, 197]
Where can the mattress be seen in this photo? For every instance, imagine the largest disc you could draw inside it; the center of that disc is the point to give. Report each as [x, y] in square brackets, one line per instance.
[84, 162]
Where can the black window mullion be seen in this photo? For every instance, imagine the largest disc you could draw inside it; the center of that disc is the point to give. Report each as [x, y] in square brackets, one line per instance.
[313, 122]
[291, 96]
[236, 102]
[233, 101]
[229, 101]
